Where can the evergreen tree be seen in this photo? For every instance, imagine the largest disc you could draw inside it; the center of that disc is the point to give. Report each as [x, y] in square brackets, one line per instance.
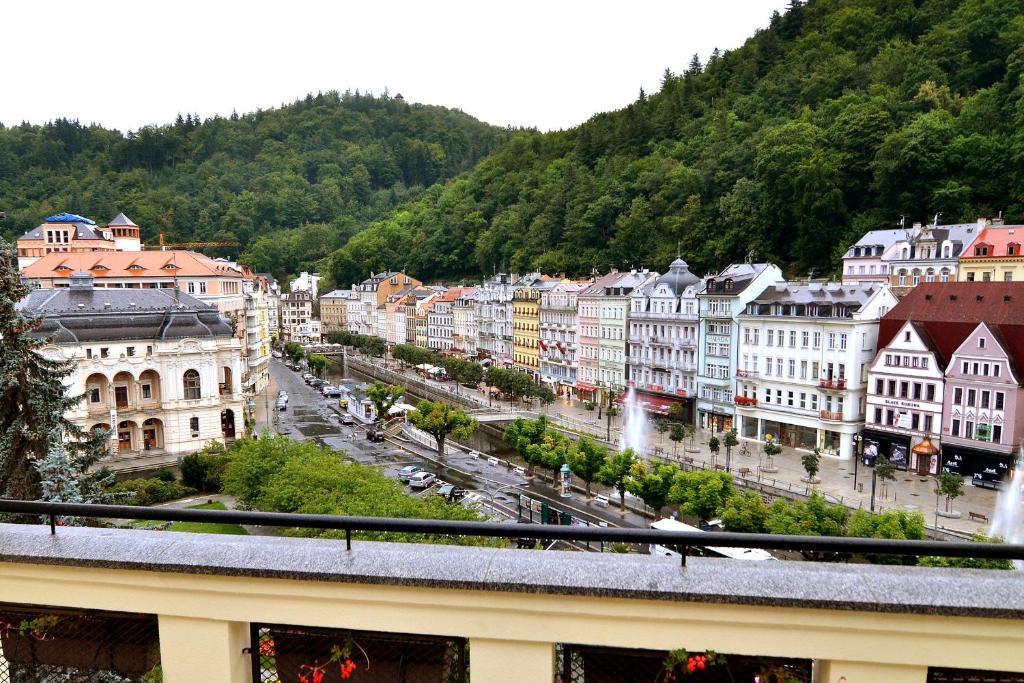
[33, 399]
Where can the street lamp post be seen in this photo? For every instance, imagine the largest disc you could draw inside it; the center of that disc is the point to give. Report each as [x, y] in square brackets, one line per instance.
[874, 478]
[856, 458]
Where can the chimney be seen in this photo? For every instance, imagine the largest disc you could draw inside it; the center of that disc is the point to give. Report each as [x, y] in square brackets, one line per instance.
[983, 222]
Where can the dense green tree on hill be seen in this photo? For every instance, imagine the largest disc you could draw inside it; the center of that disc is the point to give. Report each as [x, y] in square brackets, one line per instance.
[837, 118]
[318, 168]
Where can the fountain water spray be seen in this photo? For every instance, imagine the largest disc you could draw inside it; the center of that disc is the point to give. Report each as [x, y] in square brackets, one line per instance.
[634, 425]
[1008, 522]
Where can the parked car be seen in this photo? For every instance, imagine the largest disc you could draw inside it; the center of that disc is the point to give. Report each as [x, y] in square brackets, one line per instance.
[374, 434]
[451, 492]
[421, 480]
[408, 471]
[347, 419]
[282, 403]
[330, 392]
[282, 394]
[307, 378]
[276, 354]
[318, 383]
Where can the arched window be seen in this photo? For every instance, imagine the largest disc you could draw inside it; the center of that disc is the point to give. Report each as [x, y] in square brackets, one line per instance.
[193, 389]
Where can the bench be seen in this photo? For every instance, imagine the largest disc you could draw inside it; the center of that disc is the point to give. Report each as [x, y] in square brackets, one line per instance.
[978, 517]
[744, 470]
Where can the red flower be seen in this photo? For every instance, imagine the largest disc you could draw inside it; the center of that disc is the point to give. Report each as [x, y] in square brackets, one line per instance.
[347, 667]
[318, 676]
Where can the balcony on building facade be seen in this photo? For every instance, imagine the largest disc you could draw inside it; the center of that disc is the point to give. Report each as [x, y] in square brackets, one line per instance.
[745, 401]
[830, 416]
[748, 374]
[244, 609]
[833, 384]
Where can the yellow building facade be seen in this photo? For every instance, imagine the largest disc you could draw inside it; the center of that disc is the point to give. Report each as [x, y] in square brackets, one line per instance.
[526, 330]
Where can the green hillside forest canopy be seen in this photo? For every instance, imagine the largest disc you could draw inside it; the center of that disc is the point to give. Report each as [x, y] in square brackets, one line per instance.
[841, 116]
[336, 161]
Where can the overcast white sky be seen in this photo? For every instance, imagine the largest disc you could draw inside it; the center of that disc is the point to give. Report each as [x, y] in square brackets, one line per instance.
[527, 63]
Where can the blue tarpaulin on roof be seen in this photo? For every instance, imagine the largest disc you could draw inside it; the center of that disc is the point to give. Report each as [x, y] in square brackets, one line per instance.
[70, 218]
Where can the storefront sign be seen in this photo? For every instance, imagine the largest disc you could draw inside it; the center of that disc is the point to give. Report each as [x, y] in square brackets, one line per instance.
[900, 404]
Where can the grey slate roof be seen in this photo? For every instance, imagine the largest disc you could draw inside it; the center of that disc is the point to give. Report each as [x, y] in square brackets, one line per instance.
[678, 277]
[851, 295]
[739, 275]
[877, 238]
[83, 231]
[122, 221]
[97, 314]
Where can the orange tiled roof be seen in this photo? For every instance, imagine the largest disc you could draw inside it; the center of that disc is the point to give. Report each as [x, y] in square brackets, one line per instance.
[998, 240]
[116, 264]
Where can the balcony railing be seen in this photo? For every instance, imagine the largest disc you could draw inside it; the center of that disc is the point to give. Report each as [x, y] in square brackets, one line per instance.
[748, 374]
[745, 400]
[831, 416]
[412, 611]
[836, 384]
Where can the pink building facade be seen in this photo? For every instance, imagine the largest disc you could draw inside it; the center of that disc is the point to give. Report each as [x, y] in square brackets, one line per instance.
[983, 421]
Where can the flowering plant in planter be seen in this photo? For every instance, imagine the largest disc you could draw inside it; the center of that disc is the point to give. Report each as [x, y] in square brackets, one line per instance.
[681, 664]
[341, 655]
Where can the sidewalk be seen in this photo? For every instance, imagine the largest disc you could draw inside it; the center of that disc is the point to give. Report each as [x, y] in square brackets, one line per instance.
[909, 491]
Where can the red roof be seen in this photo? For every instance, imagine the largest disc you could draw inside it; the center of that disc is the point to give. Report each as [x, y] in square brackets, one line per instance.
[997, 241]
[945, 313]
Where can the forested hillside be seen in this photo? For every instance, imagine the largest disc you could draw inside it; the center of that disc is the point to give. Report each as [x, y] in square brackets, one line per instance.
[839, 117]
[329, 162]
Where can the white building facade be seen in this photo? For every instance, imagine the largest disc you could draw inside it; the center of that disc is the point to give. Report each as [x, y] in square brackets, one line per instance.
[558, 343]
[161, 371]
[663, 338]
[724, 297]
[804, 354]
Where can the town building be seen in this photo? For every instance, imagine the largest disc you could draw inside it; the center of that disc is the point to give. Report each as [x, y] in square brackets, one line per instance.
[441, 320]
[296, 312]
[355, 312]
[464, 327]
[724, 298]
[158, 368]
[71, 233]
[213, 282]
[526, 323]
[256, 374]
[559, 346]
[804, 353]
[945, 353]
[931, 253]
[868, 259]
[588, 302]
[663, 328]
[373, 292]
[983, 402]
[272, 298]
[613, 314]
[306, 282]
[308, 332]
[495, 318]
[423, 309]
[397, 324]
[334, 310]
[995, 256]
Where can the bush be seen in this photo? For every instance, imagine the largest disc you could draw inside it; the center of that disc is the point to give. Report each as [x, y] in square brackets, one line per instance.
[203, 471]
[164, 474]
[150, 491]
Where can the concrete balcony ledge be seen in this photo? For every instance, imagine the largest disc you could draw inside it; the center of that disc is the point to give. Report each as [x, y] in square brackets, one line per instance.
[862, 588]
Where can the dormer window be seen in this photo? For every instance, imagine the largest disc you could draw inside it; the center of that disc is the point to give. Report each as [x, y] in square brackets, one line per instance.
[170, 266]
[62, 267]
[99, 267]
[135, 266]
[981, 250]
[1012, 249]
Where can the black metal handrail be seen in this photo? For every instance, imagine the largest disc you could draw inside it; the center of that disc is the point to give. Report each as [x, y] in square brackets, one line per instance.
[820, 544]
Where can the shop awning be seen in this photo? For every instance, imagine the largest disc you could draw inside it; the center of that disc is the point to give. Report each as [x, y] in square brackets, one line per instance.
[585, 387]
[652, 403]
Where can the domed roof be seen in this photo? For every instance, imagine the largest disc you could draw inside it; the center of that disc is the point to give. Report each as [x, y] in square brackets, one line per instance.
[678, 276]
